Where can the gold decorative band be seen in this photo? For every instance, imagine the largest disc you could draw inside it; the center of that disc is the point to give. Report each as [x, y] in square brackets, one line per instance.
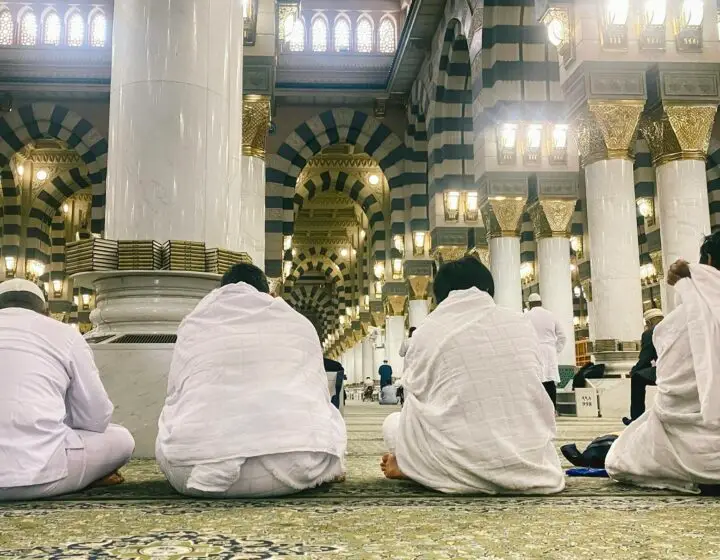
[552, 217]
[255, 124]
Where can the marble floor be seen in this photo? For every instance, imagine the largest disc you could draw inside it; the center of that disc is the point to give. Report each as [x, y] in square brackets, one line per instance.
[367, 518]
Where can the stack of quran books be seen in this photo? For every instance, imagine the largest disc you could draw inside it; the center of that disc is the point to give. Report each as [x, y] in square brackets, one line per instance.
[218, 261]
[91, 255]
[183, 255]
[140, 255]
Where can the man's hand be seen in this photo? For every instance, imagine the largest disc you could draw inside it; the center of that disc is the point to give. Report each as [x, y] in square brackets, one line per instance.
[679, 270]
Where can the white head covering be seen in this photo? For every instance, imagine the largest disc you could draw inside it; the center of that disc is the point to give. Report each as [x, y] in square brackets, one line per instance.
[21, 285]
[651, 314]
[534, 298]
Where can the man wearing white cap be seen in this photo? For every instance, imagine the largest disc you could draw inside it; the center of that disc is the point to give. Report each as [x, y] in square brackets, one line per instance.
[643, 372]
[552, 341]
[55, 431]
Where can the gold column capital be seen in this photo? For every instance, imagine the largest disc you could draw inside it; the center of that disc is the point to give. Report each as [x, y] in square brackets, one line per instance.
[552, 217]
[678, 131]
[587, 289]
[482, 254]
[418, 286]
[502, 216]
[657, 260]
[255, 124]
[448, 253]
[396, 305]
[606, 130]
[378, 318]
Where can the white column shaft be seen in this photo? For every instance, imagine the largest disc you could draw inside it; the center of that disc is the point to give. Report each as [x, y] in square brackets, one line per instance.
[174, 170]
[378, 355]
[683, 214]
[368, 350]
[350, 366]
[505, 267]
[394, 336]
[614, 252]
[250, 225]
[418, 309]
[358, 359]
[556, 288]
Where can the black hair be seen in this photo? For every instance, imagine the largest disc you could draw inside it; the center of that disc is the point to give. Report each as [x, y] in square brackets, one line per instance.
[464, 274]
[248, 273]
[22, 300]
[411, 331]
[710, 249]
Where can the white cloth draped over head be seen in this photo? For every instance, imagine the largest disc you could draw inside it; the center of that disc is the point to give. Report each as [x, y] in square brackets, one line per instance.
[676, 443]
[476, 417]
[247, 379]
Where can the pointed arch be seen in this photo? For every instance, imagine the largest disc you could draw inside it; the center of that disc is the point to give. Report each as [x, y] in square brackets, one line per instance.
[387, 35]
[342, 34]
[297, 37]
[51, 28]
[28, 27]
[98, 28]
[7, 27]
[74, 28]
[319, 33]
[364, 34]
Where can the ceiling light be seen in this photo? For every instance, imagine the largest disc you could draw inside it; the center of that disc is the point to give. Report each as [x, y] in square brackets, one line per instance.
[556, 32]
[379, 270]
[66, 208]
[41, 175]
[374, 179]
[20, 170]
[344, 253]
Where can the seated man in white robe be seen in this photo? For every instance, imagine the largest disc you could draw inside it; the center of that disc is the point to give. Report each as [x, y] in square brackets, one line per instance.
[676, 443]
[248, 411]
[55, 431]
[476, 417]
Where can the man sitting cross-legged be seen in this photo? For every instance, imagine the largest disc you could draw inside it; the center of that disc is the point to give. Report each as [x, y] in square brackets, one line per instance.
[676, 443]
[248, 411]
[55, 431]
[476, 417]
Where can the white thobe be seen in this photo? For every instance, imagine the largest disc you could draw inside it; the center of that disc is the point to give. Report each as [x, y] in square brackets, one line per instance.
[247, 380]
[49, 387]
[476, 419]
[676, 443]
[552, 339]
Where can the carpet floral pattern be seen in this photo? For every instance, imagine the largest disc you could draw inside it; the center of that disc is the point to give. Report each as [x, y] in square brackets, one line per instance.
[365, 518]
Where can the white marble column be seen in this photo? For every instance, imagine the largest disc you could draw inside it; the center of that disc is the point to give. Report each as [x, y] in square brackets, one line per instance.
[505, 267]
[683, 214]
[614, 253]
[350, 366]
[174, 170]
[555, 281]
[367, 357]
[418, 309]
[394, 336]
[358, 359]
[379, 353]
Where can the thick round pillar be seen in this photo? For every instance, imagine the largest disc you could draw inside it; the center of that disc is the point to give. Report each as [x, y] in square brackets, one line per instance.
[358, 362]
[614, 252]
[174, 170]
[505, 267]
[350, 366]
[394, 336]
[418, 309]
[556, 289]
[368, 350]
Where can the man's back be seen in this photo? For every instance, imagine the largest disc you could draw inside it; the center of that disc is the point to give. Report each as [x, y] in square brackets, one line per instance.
[545, 325]
[247, 379]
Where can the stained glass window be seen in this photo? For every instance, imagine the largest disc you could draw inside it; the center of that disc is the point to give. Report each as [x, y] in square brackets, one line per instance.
[98, 30]
[28, 29]
[386, 36]
[52, 29]
[297, 37]
[319, 35]
[7, 28]
[364, 36]
[342, 35]
[75, 30]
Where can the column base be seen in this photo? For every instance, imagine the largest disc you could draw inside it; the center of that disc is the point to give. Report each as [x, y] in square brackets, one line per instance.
[135, 327]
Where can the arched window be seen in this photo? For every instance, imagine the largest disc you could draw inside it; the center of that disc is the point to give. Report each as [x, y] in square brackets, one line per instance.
[52, 29]
[386, 36]
[7, 28]
[319, 35]
[75, 30]
[297, 37]
[98, 29]
[342, 35]
[28, 28]
[364, 32]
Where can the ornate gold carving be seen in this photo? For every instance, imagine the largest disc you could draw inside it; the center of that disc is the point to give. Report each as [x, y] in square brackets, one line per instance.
[677, 131]
[657, 260]
[396, 305]
[587, 289]
[419, 286]
[502, 216]
[482, 254]
[378, 318]
[448, 253]
[255, 124]
[606, 130]
[552, 217]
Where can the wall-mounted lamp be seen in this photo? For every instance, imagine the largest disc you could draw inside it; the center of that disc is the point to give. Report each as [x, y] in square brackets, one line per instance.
[366, 301]
[379, 270]
[557, 21]
[294, 252]
[57, 287]
[559, 144]
[287, 242]
[76, 301]
[250, 14]
[288, 13]
[344, 252]
[652, 31]
[378, 289]
[576, 244]
[85, 300]
[688, 27]
[533, 143]
[471, 206]
[648, 274]
[452, 205]
[646, 208]
[10, 267]
[527, 272]
[577, 292]
[363, 234]
[287, 268]
[20, 169]
[614, 24]
[374, 179]
[419, 242]
[35, 269]
[399, 243]
[507, 143]
[397, 268]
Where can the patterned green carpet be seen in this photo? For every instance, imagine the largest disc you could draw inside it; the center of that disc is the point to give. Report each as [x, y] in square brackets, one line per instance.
[367, 517]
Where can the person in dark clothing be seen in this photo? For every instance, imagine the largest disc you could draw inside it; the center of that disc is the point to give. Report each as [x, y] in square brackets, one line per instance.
[385, 372]
[332, 365]
[643, 373]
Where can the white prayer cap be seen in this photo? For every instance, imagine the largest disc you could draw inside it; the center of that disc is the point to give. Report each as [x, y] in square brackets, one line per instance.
[21, 285]
[534, 298]
[651, 314]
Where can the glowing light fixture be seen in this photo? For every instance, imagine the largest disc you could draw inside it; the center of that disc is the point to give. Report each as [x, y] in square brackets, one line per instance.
[614, 25]
[287, 242]
[646, 208]
[616, 12]
[576, 244]
[20, 170]
[379, 270]
[556, 32]
[76, 301]
[533, 143]
[294, 252]
[10, 266]
[655, 12]
[344, 253]
[452, 205]
[688, 37]
[85, 300]
[41, 175]
[577, 292]
[527, 271]
[557, 21]
[366, 301]
[692, 13]
[378, 289]
[419, 242]
[471, 206]
[287, 268]
[396, 268]
[507, 143]
[66, 208]
[399, 243]
[652, 32]
[363, 234]
[559, 144]
[374, 179]
[35, 269]
[57, 287]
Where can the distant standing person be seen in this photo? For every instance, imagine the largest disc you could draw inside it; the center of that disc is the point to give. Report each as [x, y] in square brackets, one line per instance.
[406, 343]
[385, 373]
[552, 341]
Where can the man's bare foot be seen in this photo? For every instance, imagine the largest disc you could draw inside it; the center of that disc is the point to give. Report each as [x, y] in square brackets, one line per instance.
[112, 479]
[339, 479]
[390, 467]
